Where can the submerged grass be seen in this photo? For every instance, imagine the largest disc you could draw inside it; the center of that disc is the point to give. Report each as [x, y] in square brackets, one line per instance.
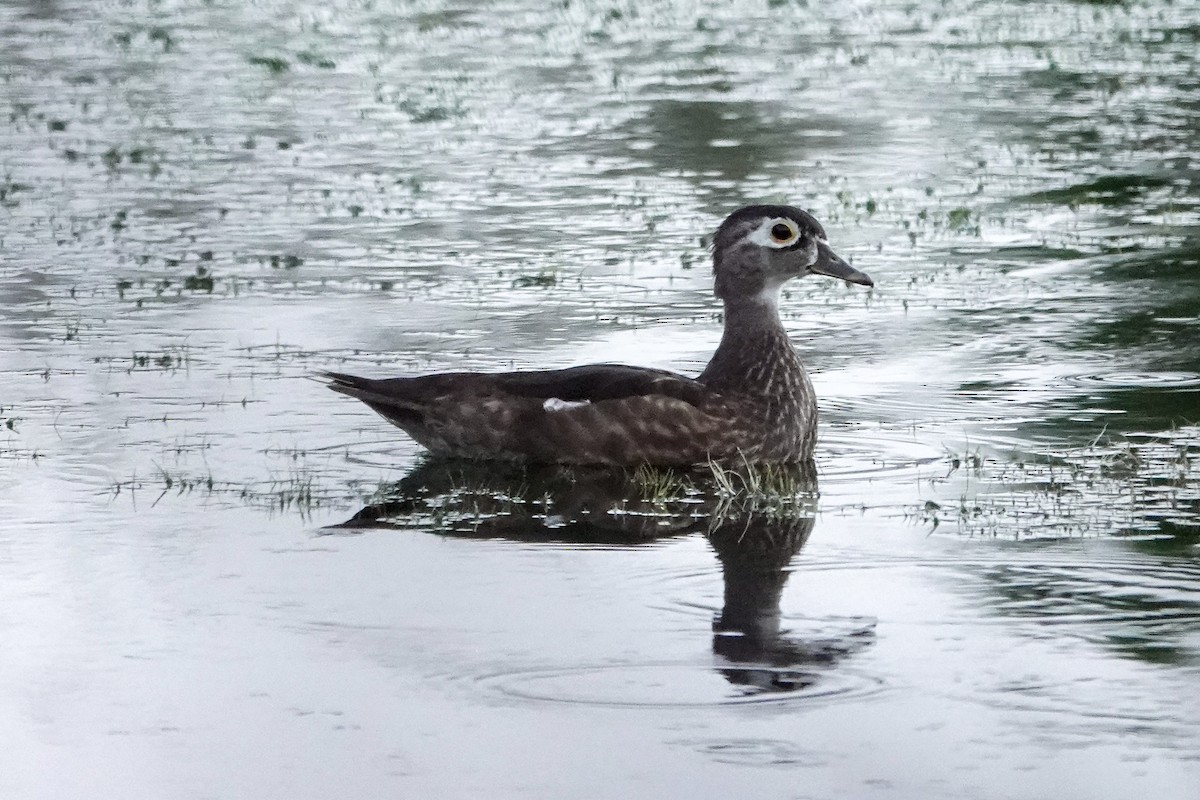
[1142, 485]
[300, 491]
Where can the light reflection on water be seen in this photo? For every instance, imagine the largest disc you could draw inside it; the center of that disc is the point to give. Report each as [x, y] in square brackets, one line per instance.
[201, 205]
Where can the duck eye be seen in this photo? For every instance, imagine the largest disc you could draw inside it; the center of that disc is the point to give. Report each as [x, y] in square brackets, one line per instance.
[781, 233]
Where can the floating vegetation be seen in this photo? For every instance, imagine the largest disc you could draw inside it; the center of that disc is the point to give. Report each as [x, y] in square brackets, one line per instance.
[169, 359]
[287, 261]
[1136, 485]
[157, 35]
[163, 37]
[16, 455]
[424, 113]
[9, 422]
[8, 188]
[275, 64]
[201, 281]
[959, 219]
[544, 279]
[279, 352]
[1106, 190]
[297, 491]
[313, 59]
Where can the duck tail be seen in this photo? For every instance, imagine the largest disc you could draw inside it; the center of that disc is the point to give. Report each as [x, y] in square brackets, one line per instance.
[344, 382]
[385, 397]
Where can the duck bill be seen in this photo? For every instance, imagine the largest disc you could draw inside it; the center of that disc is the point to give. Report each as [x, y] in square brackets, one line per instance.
[828, 263]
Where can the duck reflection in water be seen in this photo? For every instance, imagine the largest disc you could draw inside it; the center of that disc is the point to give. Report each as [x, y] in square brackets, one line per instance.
[756, 520]
[758, 653]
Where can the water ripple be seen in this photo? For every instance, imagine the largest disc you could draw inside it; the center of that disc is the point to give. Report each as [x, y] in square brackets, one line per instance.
[1139, 380]
[681, 684]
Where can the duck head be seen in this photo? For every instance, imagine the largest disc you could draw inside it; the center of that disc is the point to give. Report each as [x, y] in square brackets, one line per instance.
[758, 248]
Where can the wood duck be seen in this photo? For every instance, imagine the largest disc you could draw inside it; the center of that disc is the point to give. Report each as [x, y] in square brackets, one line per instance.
[752, 404]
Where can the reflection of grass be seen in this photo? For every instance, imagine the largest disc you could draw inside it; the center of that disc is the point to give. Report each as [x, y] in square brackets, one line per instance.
[1134, 485]
[477, 498]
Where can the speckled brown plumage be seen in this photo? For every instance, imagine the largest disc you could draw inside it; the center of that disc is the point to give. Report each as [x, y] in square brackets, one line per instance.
[752, 402]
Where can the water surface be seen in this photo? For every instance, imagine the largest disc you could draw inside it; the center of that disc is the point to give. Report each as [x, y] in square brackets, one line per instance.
[996, 594]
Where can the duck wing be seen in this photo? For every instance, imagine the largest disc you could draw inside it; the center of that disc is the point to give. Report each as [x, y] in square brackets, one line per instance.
[586, 384]
[596, 382]
[595, 414]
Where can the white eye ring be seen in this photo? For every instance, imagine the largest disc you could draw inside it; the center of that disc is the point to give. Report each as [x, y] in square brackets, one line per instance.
[766, 234]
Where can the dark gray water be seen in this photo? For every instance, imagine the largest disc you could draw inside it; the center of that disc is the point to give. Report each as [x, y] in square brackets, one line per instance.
[996, 595]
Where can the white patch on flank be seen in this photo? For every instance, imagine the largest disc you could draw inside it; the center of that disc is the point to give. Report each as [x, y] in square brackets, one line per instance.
[555, 404]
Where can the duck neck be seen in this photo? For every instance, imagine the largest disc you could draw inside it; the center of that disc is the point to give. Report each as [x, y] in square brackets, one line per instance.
[754, 345]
